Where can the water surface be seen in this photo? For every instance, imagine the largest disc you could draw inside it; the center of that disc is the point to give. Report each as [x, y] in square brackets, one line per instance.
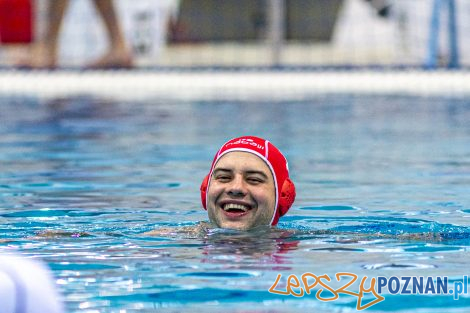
[382, 190]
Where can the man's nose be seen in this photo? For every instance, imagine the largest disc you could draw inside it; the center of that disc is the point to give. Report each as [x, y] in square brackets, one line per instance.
[237, 186]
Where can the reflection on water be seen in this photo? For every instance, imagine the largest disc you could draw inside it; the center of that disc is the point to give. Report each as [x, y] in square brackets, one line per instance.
[247, 249]
[382, 190]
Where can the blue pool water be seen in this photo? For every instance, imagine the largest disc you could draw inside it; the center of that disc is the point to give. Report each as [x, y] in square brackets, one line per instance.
[383, 190]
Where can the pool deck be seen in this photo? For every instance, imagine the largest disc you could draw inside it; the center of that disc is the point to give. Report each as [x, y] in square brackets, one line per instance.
[233, 84]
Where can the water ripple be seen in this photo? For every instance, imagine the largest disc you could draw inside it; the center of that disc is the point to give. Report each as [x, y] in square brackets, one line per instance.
[395, 266]
[329, 208]
[218, 275]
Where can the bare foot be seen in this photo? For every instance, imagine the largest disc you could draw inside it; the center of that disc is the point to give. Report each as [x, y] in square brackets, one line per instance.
[41, 56]
[113, 60]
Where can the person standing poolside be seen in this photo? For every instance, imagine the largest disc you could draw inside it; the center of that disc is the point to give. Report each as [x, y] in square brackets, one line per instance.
[44, 52]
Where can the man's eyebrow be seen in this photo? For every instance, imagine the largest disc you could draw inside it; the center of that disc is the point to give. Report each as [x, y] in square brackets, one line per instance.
[221, 169]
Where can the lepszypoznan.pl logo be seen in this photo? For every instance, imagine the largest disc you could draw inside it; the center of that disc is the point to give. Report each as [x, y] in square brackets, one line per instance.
[322, 287]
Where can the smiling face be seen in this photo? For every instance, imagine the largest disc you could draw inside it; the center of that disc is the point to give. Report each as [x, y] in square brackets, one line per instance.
[241, 193]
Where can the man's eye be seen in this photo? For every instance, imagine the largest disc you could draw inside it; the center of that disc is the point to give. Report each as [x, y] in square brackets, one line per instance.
[223, 178]
[254, 180]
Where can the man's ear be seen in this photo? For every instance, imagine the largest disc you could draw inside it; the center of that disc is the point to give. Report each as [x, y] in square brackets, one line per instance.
[203, 189]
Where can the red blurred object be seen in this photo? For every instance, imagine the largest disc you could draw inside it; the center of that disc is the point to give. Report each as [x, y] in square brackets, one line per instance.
[16, 21]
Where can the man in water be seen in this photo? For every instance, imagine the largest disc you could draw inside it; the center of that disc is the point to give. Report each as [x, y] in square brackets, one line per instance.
[248, 185]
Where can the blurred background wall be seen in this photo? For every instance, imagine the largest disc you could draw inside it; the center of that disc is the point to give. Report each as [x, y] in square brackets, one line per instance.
[248, 33]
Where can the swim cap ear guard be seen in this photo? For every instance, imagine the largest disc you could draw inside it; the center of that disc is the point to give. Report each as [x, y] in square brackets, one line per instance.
[204, 185]
[276, 162]
[287, 196]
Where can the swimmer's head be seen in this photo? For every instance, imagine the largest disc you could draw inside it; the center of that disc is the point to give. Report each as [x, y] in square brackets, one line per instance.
[248, 185]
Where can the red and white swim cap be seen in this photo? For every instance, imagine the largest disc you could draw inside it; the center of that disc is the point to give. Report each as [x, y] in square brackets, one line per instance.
[277, 163]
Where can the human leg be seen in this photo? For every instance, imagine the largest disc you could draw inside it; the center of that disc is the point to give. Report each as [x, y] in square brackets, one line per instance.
[43, 53]
[118, 54]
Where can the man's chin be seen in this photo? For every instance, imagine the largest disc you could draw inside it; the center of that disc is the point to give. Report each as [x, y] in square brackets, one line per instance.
[237, 225]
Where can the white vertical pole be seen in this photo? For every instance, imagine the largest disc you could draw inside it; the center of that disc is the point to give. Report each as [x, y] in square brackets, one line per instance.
[40, 18]
[276, 33]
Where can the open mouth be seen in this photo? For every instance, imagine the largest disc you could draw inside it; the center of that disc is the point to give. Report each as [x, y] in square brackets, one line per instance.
[235, 209]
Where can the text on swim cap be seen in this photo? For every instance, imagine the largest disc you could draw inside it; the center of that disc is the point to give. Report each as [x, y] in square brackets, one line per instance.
[248, 142]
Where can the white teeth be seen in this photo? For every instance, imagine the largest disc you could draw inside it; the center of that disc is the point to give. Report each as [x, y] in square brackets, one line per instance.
[233, 206]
